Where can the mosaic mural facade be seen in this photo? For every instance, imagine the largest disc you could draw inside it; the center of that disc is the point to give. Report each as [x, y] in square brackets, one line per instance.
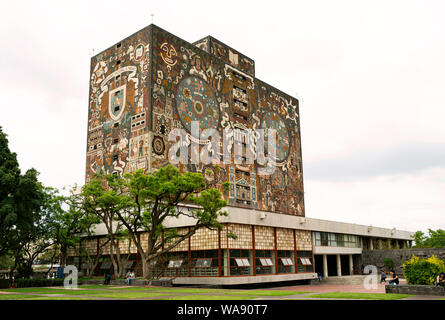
[154, 82]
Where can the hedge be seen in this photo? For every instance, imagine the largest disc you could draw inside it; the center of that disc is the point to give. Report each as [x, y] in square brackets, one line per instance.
[423, 271]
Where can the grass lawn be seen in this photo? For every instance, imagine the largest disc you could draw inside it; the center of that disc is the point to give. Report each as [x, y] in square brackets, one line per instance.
[17, 296]
[55, 298]
[273, 293]
[128, 295]
[355, 295]
[40, 289]
[208, 297]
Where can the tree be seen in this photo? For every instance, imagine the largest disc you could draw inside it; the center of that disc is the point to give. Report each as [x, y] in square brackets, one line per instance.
[22, 198]
[103, 203]
[35, 237]
[69, 222]
[9, 180]
[143, 203]
[434, 239]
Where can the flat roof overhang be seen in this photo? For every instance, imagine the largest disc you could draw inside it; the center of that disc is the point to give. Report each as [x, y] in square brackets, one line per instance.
[336, 250]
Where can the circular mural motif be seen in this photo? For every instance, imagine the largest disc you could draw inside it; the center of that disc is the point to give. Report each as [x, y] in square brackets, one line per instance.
[158, 145]
[272, 120]
[195, 101]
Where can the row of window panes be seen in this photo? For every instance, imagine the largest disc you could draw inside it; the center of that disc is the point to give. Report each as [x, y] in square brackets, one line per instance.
[335, 239]
[240, 262]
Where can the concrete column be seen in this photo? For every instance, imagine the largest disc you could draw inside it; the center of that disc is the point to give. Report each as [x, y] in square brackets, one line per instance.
[351, 265]
[338, 265]
[325, 266]
[370, 244]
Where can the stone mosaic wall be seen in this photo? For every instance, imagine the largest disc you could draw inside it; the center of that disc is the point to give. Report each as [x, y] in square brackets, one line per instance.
[243, 233]
[264, 238]
[204, 239]
[72, 252]
[124, 245]
[106, 248]
[184, 245]
[118, 107]
[285, 239]
[90, 245]
[153, 82]
[303, 240]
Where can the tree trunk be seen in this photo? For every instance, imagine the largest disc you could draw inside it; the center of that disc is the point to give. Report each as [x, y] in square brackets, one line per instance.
[145, 267]
[63, 256]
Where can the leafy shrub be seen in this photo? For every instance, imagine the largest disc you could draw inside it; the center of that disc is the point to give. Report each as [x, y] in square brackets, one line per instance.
[27, 283]
[389, 264]
[423, 271]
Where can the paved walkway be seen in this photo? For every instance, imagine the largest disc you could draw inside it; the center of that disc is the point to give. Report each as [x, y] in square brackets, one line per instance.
[325, 288]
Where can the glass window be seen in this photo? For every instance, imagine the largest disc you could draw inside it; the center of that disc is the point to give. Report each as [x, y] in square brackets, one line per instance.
[332, 240]
[317, 238]
[264, 262]
[240, 262]
[174, 263]
[324, 239]
[286, 261]
[204, 263]
[304, 261]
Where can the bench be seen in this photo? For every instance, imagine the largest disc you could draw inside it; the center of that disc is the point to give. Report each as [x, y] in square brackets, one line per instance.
[415, 289]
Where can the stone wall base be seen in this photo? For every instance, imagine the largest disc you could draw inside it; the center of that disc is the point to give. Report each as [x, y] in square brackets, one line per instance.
[415, 290]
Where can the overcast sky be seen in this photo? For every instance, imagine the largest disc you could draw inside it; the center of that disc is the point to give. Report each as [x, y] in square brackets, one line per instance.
[370, 76]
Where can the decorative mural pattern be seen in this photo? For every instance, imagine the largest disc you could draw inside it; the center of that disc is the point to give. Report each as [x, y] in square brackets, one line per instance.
[118, 108]
[195, 102]
[154, 82]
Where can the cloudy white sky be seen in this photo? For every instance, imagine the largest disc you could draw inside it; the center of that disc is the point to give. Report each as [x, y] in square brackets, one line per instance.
[370, 76]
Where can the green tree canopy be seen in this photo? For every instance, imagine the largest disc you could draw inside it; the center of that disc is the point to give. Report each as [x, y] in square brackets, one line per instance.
[434, 239]
[24, 211]
[144, 202]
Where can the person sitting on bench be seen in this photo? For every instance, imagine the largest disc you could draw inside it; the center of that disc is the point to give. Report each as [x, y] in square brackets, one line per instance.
[440, 280]
[395, 278]
[130, 276]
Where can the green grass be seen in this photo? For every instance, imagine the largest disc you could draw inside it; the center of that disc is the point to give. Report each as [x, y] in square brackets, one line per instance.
[355, 295]
[208, 297]
[56, 291]
[56, 298]
[39, 289]
[173, 290]
[143, 292]
[96, 286]
[86, 292]
[128, 295]
[77, 292]
[17, 296]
